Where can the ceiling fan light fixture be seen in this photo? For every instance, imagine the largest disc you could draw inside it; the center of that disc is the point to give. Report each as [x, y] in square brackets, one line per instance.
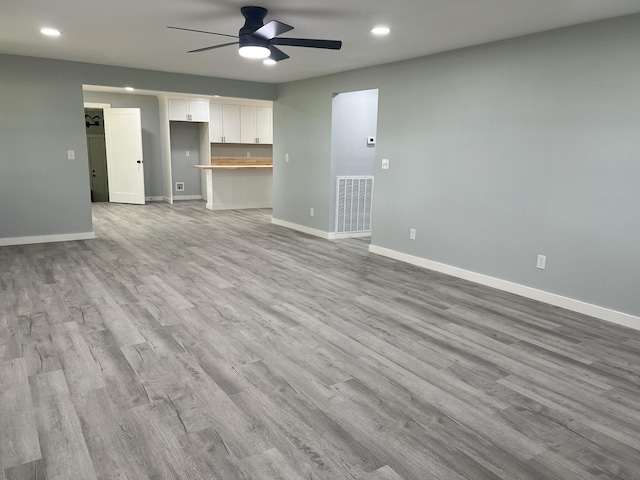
[269, 61]
[253, 51]
[50, 32]
[381, 31]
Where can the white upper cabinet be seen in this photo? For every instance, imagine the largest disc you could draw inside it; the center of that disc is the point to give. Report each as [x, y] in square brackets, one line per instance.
[179, 110]
[199, 111]
[224, 124]
[256, 124]
[248, 124]
[215, 123]
[264, 125]
[188, 110]
[231, 123]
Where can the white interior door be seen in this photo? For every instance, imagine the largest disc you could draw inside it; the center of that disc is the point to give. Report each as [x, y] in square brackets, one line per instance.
[123, 136]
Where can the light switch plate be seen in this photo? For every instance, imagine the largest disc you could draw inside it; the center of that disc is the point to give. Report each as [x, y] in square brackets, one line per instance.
[71, 154]
[385, 164]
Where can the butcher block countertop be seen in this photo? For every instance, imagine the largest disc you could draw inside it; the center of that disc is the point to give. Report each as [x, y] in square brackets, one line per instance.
[237, 162]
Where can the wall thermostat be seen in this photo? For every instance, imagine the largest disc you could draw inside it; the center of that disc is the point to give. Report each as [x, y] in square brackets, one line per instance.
[371, 141]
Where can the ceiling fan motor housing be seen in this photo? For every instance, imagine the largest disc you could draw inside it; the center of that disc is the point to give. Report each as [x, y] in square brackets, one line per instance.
[254, 19]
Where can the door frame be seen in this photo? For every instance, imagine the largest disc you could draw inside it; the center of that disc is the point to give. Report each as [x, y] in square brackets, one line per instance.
[96, 105]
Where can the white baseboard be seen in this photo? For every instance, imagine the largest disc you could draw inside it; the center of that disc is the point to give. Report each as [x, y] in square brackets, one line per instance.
[67, 237]
[301, 228]
[579, 306]
[186, 197]
[237, 206]
[168, 200]
[340, 236]
[154, 199]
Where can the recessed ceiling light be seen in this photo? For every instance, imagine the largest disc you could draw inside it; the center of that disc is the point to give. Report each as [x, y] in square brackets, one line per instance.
[252, 51]
[381, 31]
[269, 61]
[129, 89]
[50, 32]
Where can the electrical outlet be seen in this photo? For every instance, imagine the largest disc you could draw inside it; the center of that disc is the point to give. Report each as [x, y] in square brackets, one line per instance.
[312, 212]
[71, 154]
[179, 186]
[542, 262]
[385, 164]
[412, 234]
[187, 153]
[248, 154]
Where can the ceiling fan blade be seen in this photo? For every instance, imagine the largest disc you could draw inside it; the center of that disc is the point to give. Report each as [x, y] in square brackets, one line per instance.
[213, 47]
[308, 42]
[277, 54]
[272, 29]
[202, 31]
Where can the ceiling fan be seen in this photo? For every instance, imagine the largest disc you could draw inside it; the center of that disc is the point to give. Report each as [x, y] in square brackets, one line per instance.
[257, 40]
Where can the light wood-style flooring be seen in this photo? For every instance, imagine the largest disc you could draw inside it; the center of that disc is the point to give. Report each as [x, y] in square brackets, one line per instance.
[189, 344]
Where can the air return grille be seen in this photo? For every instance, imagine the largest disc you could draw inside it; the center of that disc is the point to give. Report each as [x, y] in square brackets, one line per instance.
[353, 211]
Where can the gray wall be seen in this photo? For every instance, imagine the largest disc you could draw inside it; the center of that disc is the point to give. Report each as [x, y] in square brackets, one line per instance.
[185, 137]
[354, 118]
[42, 116]
[150, 119]
[498, 153]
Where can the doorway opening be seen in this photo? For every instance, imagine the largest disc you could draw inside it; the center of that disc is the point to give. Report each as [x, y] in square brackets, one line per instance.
[114, 151]
[97, 150]
[354, 123]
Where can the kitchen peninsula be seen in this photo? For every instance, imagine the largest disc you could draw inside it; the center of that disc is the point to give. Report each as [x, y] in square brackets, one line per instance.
[237, 182]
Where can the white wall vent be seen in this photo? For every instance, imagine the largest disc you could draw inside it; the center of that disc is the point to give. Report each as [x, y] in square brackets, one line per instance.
[353, 206]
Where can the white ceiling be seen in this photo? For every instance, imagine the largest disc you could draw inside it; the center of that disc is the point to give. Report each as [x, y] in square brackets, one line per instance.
[133, 33]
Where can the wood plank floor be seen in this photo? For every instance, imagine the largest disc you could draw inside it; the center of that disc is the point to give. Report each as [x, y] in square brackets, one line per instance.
[189, 344]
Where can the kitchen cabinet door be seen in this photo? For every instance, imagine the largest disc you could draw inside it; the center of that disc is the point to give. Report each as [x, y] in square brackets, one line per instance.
[198, 111]
[231, 123]
[215, 123]
[248, 124]
[264, 125]
[179, 110]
